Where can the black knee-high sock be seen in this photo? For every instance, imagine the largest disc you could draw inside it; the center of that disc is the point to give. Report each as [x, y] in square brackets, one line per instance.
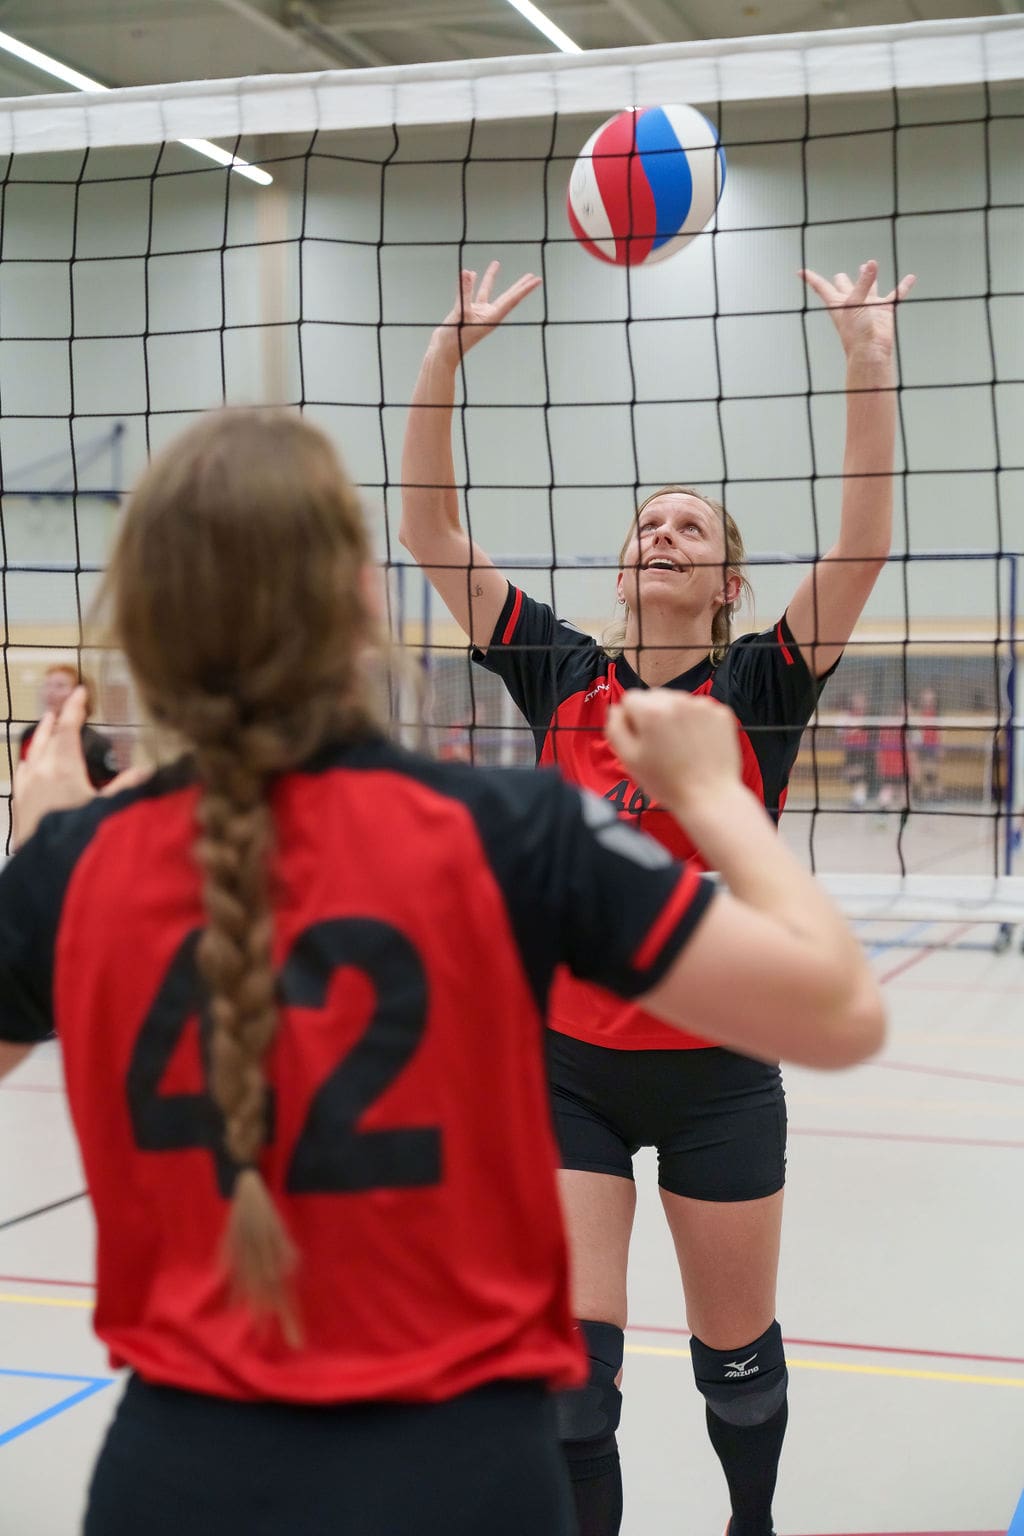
[749, 1454]
[596, 1486]
[587, 1420]
[745, 1392]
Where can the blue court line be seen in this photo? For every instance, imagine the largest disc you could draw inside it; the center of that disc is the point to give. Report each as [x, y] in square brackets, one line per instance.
[902, 939]
[91, 1385]
[1017, 1523]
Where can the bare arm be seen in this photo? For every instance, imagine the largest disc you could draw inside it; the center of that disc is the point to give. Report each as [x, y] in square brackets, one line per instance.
[772, 969]
[830, 599]
[11, 1056]
[463, 576]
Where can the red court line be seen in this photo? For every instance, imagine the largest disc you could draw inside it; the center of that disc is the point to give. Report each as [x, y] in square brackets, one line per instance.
[870, 1349]
[922, 954]
[935, 1141]
[78, 1285]
[973, 1077]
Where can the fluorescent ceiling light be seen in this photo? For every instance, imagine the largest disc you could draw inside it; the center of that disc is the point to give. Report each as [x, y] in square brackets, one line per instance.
[544, 24]
[81, 82]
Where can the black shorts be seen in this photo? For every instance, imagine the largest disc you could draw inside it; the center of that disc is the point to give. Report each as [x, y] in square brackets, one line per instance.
[717, 1119]
[182, 1464]
[859, 763]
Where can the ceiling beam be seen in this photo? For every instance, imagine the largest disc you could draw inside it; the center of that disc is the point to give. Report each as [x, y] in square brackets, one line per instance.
[418, 17]
[301, 15]
[655, 21]
[311, 54]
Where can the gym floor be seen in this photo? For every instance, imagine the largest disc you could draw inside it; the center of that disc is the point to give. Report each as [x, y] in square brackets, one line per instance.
[900, 1292]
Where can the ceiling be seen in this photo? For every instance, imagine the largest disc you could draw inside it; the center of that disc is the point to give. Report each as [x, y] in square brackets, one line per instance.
[139, 42]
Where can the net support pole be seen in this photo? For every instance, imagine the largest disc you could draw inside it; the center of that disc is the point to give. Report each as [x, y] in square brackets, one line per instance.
[272, 231]
[1013, 800]
[117, 459]
[509, 723]
[428, 621]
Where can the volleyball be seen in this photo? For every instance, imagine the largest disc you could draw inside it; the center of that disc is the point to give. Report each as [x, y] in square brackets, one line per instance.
[645, 183]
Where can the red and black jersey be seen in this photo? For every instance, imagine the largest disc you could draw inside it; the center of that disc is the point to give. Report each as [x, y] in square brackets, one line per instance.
[420, 912]
[891, 756]
[97, 749]
[564, 684]
[927, 738]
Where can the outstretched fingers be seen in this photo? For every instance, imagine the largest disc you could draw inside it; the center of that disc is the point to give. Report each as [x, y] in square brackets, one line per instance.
[832, 294]
[901, 290]
[842, 291]
[863, 290]
[821, 285]
[483, 295]
[476, 307]
[464, 301]
[515, 295]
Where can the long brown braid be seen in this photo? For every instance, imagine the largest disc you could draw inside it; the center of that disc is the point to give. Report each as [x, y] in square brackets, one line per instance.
[238, 594]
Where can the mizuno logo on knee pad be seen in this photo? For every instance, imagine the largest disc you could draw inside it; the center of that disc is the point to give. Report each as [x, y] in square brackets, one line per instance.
[740, 1388]
[739, 1368]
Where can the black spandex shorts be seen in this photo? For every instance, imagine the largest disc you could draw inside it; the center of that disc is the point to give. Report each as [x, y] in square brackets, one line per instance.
[181, 1464]
[717, 1119]
[859, 763]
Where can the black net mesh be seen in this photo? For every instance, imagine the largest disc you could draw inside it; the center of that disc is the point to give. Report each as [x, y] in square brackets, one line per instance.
[140, 286]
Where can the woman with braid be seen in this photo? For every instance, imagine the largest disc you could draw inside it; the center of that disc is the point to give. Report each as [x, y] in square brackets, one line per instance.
[300, 978]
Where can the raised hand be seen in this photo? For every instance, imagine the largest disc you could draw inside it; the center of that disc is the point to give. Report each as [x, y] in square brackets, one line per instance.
[865, 320]
[475, 313]
[53, 776]
[678, 747]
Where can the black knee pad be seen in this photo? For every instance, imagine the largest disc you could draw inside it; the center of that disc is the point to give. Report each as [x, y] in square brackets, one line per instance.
[743, 1386]
[591, 1413]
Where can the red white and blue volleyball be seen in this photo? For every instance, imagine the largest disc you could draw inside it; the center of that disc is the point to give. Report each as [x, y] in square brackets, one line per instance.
[645, 183]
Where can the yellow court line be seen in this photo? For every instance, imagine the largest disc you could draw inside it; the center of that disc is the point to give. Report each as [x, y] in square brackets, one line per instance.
[45, 1301]
[852, 1370]
[667, 1351]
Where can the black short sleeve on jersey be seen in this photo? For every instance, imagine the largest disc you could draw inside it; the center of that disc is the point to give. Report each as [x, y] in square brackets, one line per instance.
[530, 650]
[32, 884]
[771, 682]
[626, 908]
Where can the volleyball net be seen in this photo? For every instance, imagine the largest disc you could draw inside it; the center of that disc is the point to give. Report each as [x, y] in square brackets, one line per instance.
[140, 285]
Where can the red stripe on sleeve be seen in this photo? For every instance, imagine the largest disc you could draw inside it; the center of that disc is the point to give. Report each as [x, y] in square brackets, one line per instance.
[513, 618]
[787, 653]
[670, 914]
